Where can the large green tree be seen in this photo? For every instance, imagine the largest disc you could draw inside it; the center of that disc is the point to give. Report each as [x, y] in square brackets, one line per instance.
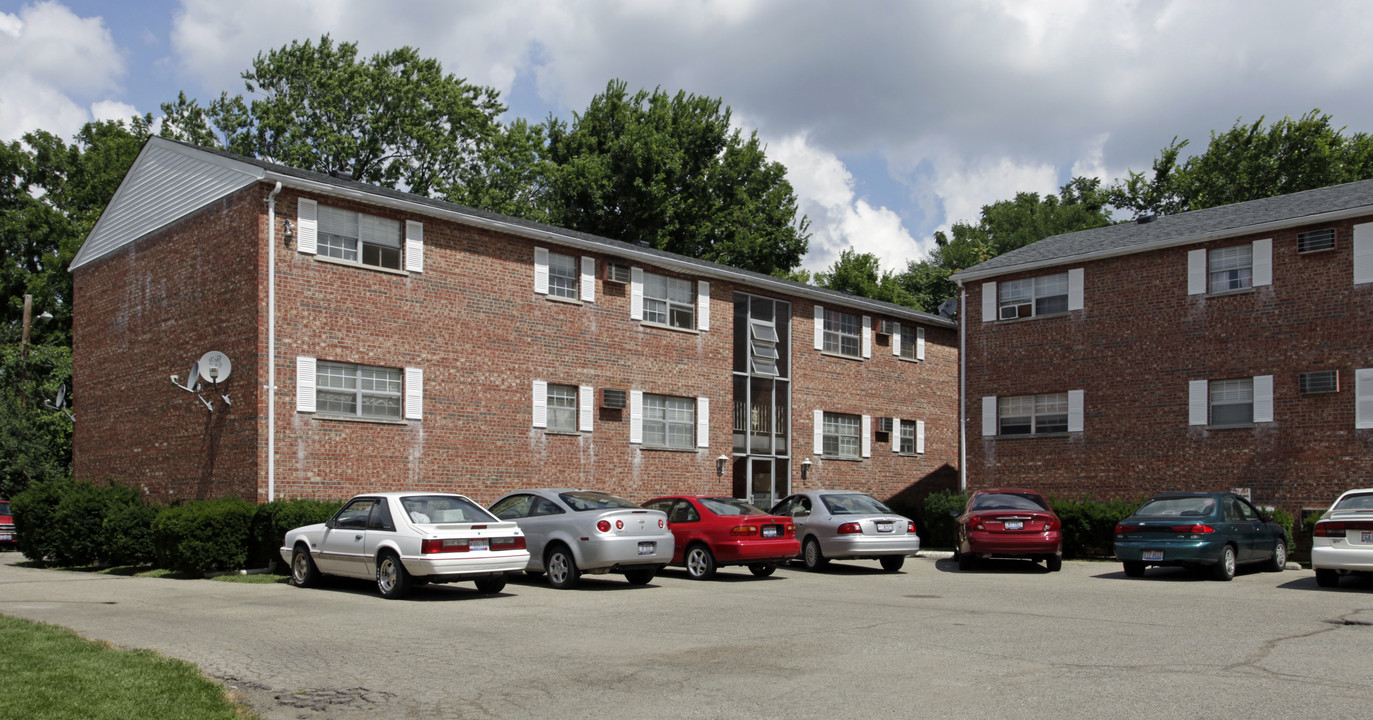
[667, 170]
[862, 274]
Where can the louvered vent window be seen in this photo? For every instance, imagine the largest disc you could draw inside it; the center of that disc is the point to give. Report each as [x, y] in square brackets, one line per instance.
[1324, 381]
[1316, 240]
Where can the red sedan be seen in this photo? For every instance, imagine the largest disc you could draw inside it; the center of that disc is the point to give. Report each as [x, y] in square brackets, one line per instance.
[1009, 522]
[709, 532]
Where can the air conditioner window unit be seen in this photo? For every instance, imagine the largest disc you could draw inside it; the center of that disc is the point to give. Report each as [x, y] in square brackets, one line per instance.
[889, 327]
[617, 272]
[614, 399]
[884, 424]
[1011, 312]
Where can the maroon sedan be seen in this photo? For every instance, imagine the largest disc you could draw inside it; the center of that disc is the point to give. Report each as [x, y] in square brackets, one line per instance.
[709, 532]
[1009, 522]
[7, 536]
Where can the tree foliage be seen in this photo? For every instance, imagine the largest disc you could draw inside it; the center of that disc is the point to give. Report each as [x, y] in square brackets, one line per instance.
[862, 274]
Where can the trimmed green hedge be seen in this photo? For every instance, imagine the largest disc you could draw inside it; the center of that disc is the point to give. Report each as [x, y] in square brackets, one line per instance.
[1089, 526]
[70, 523]
[937, 521]
[203, 537]
[271, 522]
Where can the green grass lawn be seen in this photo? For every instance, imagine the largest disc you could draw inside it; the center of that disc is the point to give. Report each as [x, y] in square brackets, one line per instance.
[51, 673]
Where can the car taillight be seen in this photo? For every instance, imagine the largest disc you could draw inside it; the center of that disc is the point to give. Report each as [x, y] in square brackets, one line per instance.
[603, 526]
[1329, 529]
[1123, 528]
[1050, 526]
[661, 523]
[789, 530]
[743, 530]
[850, 528]
[443, 546]
[508, 543]
[910, 527]
[619, 524]
[1193, 529]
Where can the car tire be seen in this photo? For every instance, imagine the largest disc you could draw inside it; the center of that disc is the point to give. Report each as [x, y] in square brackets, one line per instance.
[393, 580]
[1279, 561]
[1054, 563]
[640, 577]
[762, 569]
[965, 562]
[1133, 568]
[812, 556]
[491, 586]
[303, 571]
[892, 563]
[562, 568]
[700, 563]
[1224, 568]
[1327, 578]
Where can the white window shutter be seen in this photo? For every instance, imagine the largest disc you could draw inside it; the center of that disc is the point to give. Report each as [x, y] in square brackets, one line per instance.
[414, 246]
[414, 393]
[1262, 272]
[703, 305]
[307, 227]
[1075, 410]
[540, 403]
[541, 270]
[1263, 398]
[305, 384]
[920, 437]
[865, 427]
[1363, 398]
[636, 294]
[636, 417]
[588, 279]
[867, 336]
[703, 422]
[586, 397]
[1076, 280]
[989, 302]
[819, 327]
[896, 434]
[920, 343]
[1198, 402]
[1196, 272]
[896, 341]
[989, 416]
[819, 432]
[1363, 253]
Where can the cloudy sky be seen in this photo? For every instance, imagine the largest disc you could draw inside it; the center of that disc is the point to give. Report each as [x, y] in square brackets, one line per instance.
[895, 119]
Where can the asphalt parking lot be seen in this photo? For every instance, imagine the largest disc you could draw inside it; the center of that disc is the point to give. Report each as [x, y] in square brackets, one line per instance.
[1007, 640]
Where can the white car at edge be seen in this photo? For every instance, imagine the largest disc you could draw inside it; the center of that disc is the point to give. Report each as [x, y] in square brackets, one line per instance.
[1342, 541]
[401, 539]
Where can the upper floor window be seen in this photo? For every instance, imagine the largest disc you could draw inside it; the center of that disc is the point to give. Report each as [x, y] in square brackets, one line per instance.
[669, 422]
[1030, 297]
[562, 408]
[563, 276]
[842, 333]
[358, 390]
[1033, 414]
[358, 237]
[669, 301]
[1230, 268]
[841, 436]
[911, 338]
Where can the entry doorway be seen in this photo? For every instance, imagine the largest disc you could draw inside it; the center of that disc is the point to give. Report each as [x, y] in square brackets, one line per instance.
[762, 481]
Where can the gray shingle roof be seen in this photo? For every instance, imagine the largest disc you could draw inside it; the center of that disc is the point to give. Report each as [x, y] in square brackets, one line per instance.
[1311, 206]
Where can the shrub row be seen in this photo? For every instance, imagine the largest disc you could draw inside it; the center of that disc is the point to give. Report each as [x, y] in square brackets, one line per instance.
[66, 523]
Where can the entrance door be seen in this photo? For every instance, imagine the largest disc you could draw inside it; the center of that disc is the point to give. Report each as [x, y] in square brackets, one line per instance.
[768, 481]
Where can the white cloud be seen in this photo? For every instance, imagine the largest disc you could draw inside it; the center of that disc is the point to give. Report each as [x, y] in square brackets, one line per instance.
[965, 185]
[113, 110]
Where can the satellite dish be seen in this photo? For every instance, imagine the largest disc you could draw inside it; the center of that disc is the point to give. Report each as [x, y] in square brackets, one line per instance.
[193, 377]
[949, 308]
[215, 367]
[61, 396]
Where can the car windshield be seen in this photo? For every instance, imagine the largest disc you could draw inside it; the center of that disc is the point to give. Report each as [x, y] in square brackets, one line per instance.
[853, 504]
[731, 506]
[1349, 503]
[4, 508]
[589, 500]
[1010, 501]
[427, 509]
[1178, 507]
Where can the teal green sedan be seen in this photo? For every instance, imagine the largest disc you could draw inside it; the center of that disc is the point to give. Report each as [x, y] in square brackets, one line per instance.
[1219, 530]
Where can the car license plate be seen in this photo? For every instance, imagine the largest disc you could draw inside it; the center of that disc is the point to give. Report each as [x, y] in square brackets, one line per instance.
[1015, 524]
[1153, 554]
[646, 548]
[7, 537]
[769, 531]
[476, 545]
[1364, 537]
[884, 526]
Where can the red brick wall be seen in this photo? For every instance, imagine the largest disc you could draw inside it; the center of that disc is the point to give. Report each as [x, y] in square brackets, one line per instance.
[1133, 348]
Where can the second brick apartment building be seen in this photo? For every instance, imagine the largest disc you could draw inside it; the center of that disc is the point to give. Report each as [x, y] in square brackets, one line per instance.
[378, 340]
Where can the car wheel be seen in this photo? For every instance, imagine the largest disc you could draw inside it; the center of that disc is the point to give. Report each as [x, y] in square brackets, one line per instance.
[393, 580]
[1279, 561]
[965, 562]
[1134, 569]
[1225, 568]
[700, 564]
[812, 556]
[892, 563]
[303, 571]
[491, 586]
[1054, 563]
[562, 569]
[1327, 578]
[640, 577]
[762, 569]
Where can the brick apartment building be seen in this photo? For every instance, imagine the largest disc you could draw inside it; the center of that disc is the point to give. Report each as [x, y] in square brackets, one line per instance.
[379, 340]
[1223, 348]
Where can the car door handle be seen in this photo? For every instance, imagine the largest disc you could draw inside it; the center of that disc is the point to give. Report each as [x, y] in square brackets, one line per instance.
[357, 537]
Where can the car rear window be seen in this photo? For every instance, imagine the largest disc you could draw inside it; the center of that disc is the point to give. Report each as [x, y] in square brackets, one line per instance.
[1350, 503]
[1178, 507]
[429, 509]
[4, 508]
[1009, 501]
[853, 504]
[582, 501]
[731, 506]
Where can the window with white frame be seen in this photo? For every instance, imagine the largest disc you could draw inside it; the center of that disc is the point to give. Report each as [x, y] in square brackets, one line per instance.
[562, 408]
[843, 333]
[1032, 297]
[841, 435]
[669, 301]
[910, 340]
[763, 353]
[1232, 402]
[907, 437]
[358, 390]
[669, 422]
[358, 237]
[1033, 414]
[564, 277]
[1230, 268]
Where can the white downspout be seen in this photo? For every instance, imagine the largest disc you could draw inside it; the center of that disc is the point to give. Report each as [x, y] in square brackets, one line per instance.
[962, 388]
[272, 343]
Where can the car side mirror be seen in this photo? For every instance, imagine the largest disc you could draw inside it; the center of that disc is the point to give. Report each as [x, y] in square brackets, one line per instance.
[953, 513]
[1267, 518]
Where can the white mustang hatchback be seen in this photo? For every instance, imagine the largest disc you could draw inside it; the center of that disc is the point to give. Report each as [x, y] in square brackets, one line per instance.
[408, 538]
